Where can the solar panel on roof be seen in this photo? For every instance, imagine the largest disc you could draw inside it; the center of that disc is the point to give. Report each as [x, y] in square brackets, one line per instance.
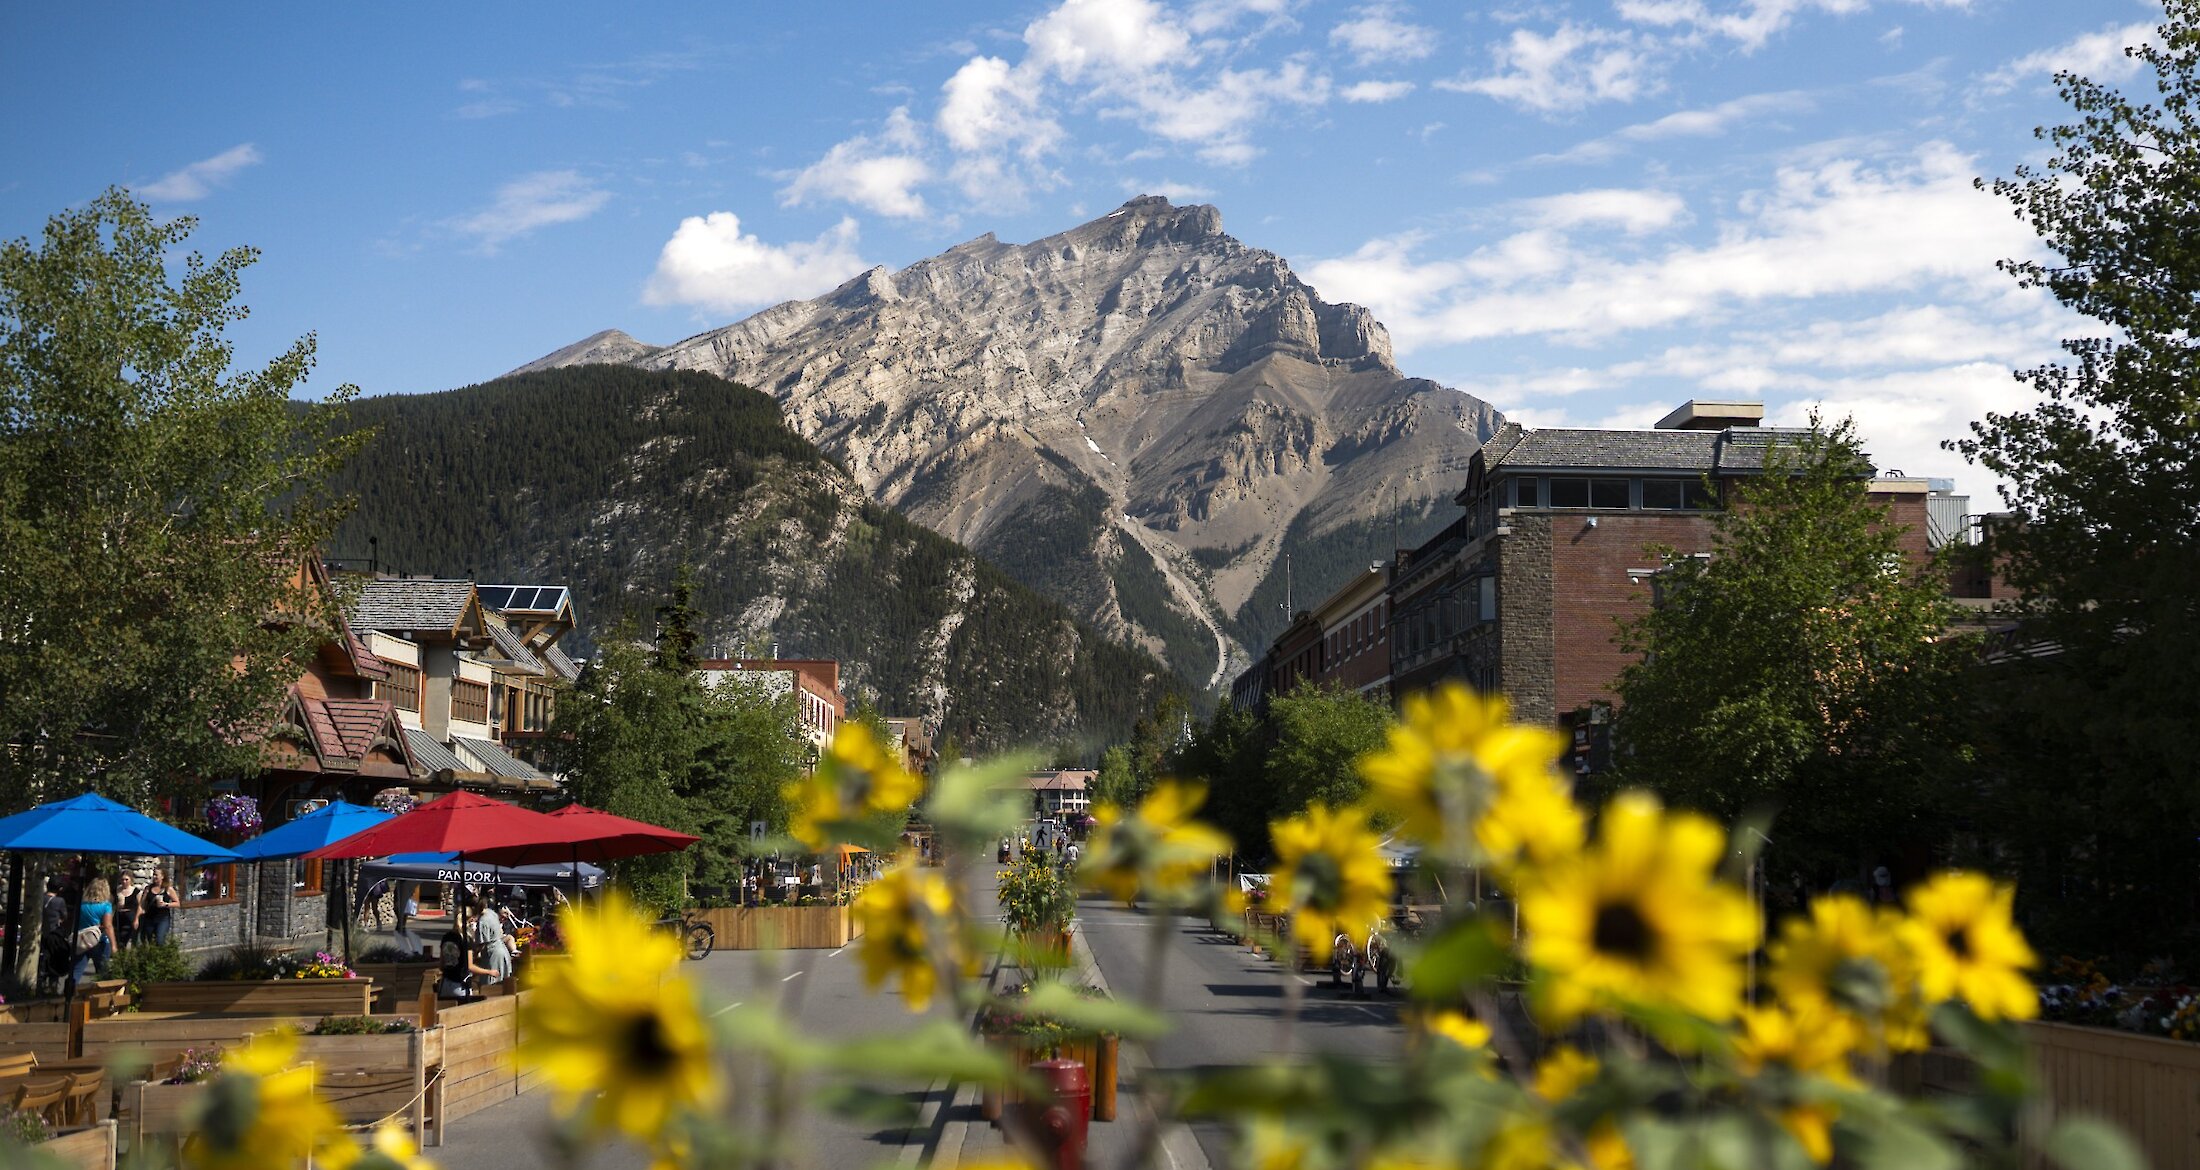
[495, 596]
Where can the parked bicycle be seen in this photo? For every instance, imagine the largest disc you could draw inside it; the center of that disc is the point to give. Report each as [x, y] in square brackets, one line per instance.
[696, 936]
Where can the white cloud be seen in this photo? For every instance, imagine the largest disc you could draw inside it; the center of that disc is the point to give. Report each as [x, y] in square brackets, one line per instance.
[990, 108]
[1706, 122]
[1839, 228]
[1633, 211]
[532, 201]
[1572, 67]
[1374, 35]
[1375, 91]
[880, 174]
[1095, 40]
[710, 264]
[2096, 55]
[198, 180]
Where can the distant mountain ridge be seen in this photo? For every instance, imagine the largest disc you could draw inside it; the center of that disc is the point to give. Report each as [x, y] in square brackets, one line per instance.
[1141, 416]
[605, 478]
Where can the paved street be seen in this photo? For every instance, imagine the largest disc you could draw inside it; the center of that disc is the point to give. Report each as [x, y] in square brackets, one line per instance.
[1226, 1004]
[821, 991]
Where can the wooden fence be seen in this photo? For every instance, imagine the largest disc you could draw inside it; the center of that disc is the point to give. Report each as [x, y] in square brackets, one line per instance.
[318, 997]
[2147, 1086]
[786, 928]
[478, 1039]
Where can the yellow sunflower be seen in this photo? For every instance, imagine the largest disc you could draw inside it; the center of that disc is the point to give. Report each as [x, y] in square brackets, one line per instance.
[1450, 757]
[1460, 1029]
[1814, 1038]
[1638, 918]
[1533, 817]
[857, 779]
[261, 1111]
[1563, 1071]
[1856, 958]
[1330, 875]
[905, 917]
[1157, 848]
[1968, 947]
[392, 1149]
[615, 1021]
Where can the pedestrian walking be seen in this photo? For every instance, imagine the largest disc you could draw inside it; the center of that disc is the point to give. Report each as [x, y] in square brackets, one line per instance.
[129, 909]
[95, 930]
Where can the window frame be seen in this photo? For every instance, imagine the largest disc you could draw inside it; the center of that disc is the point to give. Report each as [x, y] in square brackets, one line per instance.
[473, 707]
[311, 880]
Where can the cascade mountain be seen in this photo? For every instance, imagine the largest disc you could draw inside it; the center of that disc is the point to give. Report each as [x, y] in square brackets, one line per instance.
[605, 478]
[1142, 417]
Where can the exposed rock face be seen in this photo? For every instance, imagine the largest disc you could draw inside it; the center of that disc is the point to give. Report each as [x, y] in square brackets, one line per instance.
[1142, 388]
[609, 348]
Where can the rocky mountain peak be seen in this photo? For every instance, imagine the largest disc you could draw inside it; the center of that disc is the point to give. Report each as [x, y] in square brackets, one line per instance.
[1139, 415]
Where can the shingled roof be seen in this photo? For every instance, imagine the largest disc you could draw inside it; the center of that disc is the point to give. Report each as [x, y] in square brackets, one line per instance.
[405, 605]
[1735, 449]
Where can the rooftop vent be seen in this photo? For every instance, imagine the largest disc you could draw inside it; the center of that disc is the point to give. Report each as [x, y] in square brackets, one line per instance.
[1704, 415]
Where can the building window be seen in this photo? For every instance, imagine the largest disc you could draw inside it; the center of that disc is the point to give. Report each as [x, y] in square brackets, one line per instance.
[209, 884]
[469, 701]
[306, 880]
[1608, 493]
[1569, 493]
[1486, 598]
[1526, 493]
[1698, 496]
[403, 687]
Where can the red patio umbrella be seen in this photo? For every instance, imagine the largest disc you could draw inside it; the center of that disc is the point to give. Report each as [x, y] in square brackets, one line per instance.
[590, 834]
[462, 823]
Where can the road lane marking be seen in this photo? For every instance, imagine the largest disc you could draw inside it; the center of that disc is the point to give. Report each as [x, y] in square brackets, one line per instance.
[790, 976]
[722, 1011]
[836, 954]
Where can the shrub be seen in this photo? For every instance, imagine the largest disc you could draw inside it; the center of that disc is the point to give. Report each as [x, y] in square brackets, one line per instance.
[1035, 896]
[386, 953]
[25, 1128]
[146, 962]
[247, 961]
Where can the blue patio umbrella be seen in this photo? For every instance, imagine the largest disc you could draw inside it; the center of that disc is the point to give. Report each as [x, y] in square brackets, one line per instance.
[91, 823]
[326, 825]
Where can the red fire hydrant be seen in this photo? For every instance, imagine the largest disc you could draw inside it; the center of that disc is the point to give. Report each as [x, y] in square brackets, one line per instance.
[1061, 1117]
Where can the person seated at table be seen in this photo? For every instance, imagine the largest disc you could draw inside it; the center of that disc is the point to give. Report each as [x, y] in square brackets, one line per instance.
[463, 976]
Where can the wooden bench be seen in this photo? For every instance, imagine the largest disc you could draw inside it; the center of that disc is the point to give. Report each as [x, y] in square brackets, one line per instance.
[272, 997]
[48, 1042]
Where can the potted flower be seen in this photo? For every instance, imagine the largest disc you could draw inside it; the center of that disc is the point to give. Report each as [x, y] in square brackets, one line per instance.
[1037, 904]
[233, 813]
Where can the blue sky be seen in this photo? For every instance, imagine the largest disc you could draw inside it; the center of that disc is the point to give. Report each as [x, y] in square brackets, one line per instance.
[1582, 211]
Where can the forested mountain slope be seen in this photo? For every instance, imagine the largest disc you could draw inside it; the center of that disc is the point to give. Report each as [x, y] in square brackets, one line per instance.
[606, 478]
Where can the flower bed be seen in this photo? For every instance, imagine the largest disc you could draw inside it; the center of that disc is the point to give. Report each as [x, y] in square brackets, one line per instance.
[2158, 1003]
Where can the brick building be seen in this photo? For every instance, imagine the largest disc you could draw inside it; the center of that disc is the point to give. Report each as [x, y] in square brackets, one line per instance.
[815, 683]
[1524, 592]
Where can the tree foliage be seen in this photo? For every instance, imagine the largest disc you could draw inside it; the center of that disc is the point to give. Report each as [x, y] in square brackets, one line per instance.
[154, 504]
[1802, 669]
[646, 739]
[2096, 796]
[608, 478]
[1258, 770]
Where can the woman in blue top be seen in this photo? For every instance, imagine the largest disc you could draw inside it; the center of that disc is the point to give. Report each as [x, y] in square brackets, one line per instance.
[95, 929]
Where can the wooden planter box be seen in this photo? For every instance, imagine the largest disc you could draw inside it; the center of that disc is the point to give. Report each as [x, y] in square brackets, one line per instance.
[396, 985]
[261, 997]
[783, 928]
[1098, 1054]
[366, 1078]
[86, 1149]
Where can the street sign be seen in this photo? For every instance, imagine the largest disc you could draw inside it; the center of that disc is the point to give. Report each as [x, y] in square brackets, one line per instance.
[756, 830]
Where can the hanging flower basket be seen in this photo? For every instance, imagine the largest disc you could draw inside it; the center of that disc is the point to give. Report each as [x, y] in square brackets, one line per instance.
[231, 813]
[394, 801]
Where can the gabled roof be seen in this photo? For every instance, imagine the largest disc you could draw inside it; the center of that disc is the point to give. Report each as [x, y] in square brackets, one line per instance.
[494, 759]
[343, 732]
[406, 606]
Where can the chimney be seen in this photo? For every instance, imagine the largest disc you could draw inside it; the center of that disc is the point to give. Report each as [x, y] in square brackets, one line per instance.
[1700, 414]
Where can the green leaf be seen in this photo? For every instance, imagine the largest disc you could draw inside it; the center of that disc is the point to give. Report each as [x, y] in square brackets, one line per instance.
[975, 804]
[2086, 1143]
[868, 1106]
[940, 1048]
[1895, 1142]
[1461, 955]
[1106, 1016]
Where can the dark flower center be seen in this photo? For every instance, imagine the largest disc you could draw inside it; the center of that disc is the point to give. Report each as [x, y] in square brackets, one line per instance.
[1621, 930]
[649, 1051]
[1959, 941]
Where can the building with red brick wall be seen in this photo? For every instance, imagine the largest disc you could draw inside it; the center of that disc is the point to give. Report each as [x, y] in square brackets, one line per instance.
[1526, 592]
[1355, 625]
